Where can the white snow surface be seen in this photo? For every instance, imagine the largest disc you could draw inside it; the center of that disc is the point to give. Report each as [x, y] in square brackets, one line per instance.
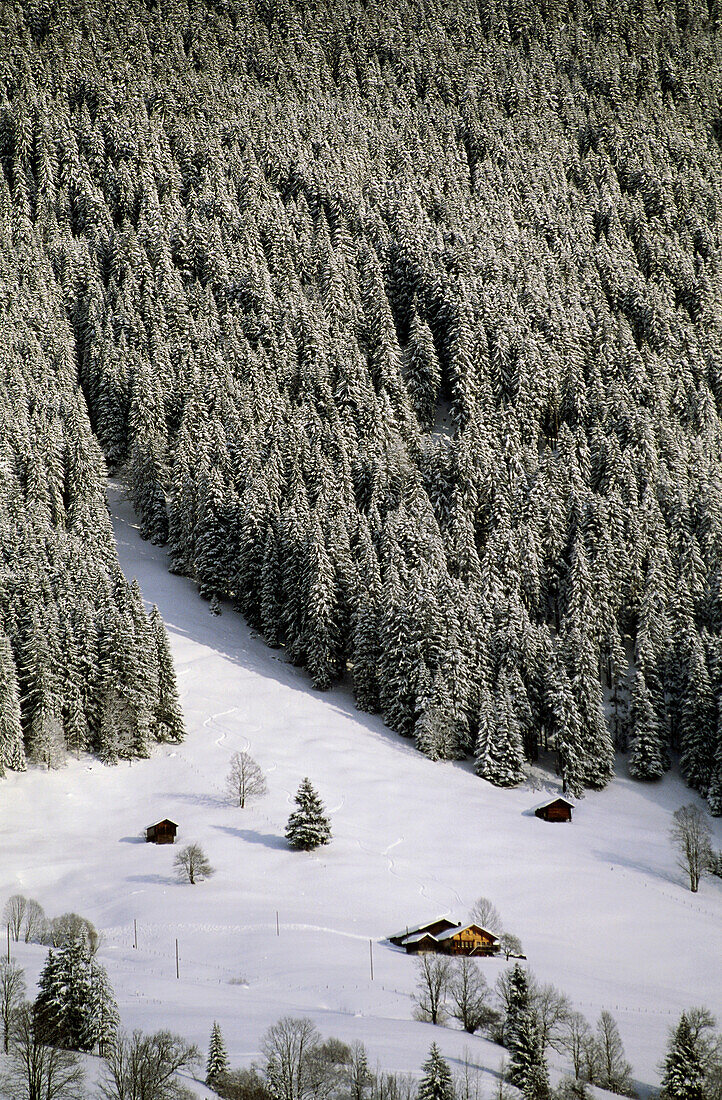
[600, 906]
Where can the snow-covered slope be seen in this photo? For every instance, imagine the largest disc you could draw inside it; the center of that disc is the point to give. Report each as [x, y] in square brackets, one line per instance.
[599, 905]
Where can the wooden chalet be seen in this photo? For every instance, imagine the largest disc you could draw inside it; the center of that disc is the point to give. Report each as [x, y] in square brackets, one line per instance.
[162, 832]
[433, 927]
[559, 809]
[445, 937]
[468, 939]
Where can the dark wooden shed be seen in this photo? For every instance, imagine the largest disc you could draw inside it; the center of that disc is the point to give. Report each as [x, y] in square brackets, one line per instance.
[559, 809]
[162, 832]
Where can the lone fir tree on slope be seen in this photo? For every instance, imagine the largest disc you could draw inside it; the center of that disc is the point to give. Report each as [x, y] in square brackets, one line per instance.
[217, 1064]
[308, 827]
[437, 1082]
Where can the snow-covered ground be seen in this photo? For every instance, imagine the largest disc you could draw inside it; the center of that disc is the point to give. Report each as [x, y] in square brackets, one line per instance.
[599, 905]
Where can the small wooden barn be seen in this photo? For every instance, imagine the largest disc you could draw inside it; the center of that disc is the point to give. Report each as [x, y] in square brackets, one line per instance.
[432, 927]
[162, 832]
[559, 809]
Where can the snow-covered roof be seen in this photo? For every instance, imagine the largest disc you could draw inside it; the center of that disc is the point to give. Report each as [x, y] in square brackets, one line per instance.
[405, 933]
[551, 802]
[463, 928]
[161, 822]
[424, 936]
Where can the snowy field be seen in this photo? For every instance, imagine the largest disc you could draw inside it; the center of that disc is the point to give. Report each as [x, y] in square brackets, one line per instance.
[600, 907]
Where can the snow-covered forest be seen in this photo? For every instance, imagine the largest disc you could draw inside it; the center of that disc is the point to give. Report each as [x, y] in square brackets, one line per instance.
[404, 323]
[82, 666]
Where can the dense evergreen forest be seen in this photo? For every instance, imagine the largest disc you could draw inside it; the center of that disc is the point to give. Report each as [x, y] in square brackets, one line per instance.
[404, 322]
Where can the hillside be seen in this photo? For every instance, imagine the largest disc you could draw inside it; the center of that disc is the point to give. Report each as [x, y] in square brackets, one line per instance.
[282, 235]
[600, 907]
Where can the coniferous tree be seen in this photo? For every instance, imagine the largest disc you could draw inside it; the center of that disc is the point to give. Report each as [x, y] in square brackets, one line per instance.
[437, 1082]
[74, 1007]
[12, 752]
[646, 760]
[168, 717]
[683, 1078]
[308, 827]
[217, 1062]
[499, 754]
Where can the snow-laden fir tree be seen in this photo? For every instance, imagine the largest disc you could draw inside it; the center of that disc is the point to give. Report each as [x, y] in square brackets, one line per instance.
[647, 756]
[308, 827]
[217, 1063]
[683, 1077]
[168, 717]
[527, 1065]
[436, 1082]
[499, 750]
[12, 753]
[75, 1007]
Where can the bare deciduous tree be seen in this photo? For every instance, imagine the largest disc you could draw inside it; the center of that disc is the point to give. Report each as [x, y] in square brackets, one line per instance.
[328, 1069]
[614, 1072]
[360, 1077]
[140, 1065]
[192, 864]
[510, 945]
[468, 1083]
[394, 1086]
[12, 995]
[36, 1071]
[286, 1046]
[691, 836]
[245, 780]
[34, 922]
[485, 913]
[13, 913]
[433, 973]
[553, 1010]
[72, 928]
[470, 996]
[575, 1037]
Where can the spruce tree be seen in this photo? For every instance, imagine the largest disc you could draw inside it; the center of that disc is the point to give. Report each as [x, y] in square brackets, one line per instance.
[646, 760]
[499, 751]
[683, 1077]
[168, 717]
[12, 752]
[307, 826]
[217, 1063]
[437, 1082]
[527, 1066]
[75, 1007]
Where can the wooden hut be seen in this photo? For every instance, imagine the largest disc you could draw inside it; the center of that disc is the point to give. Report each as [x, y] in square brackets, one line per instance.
[559, 809]
[162, 832]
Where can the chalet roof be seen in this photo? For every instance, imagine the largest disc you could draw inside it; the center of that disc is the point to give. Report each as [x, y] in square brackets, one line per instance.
[451, 932]
[406, 933]
[554, 801]
[422, 936]
[162, 821]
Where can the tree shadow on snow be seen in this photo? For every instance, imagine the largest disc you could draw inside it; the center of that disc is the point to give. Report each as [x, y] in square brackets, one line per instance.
[268, 840]
[196, 799]
[156, 880]
[613, 858]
